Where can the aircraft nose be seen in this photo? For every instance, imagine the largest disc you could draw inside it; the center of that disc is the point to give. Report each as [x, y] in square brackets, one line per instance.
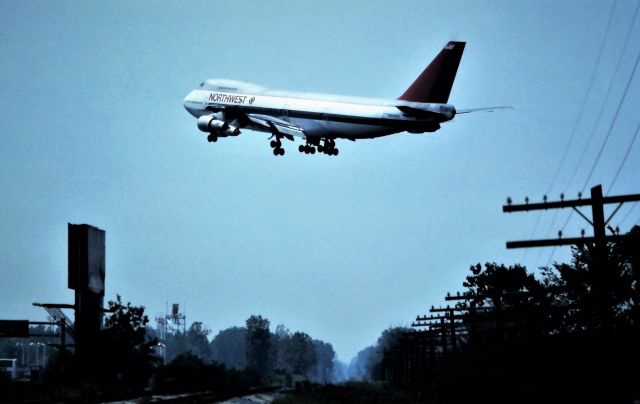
[184, 101]
[191, 105]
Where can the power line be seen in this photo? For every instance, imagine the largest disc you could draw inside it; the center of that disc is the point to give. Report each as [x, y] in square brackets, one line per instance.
[561, 229]
[551, 256]
[535, 227]
[628, 213]
[575, 126]
[615, 177]
[553, 220]
[586, 96]
[615, 118]
[584, 150]
[606, 98]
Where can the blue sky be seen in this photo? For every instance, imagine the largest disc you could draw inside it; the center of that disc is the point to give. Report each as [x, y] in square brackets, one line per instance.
[93, 131]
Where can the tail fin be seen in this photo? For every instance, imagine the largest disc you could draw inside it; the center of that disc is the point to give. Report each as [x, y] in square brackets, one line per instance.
[435, 82]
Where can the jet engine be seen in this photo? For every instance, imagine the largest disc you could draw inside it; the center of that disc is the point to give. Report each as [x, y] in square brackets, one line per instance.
[208, 123]
[230, 130]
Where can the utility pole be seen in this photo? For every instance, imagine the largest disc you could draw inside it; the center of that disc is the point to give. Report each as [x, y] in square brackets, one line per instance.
[597, 202]
[601, 273]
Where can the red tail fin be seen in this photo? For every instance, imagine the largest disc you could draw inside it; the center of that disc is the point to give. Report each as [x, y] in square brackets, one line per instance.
[435, 82]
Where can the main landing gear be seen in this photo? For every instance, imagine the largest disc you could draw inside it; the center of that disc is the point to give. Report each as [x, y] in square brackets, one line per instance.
[328, 147]
[276, 145]
[307, 149]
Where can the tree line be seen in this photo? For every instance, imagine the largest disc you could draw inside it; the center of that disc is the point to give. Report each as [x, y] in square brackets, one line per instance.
[127, 359]
[512, 335]
[280, 354]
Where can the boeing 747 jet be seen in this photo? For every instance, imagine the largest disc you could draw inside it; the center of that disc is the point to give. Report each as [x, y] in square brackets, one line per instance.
[223, 107]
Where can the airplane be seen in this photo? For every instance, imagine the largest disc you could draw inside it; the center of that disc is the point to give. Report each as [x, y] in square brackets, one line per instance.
[223, 107]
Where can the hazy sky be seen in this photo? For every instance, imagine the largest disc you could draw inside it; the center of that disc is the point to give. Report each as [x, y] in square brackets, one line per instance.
[93, 131]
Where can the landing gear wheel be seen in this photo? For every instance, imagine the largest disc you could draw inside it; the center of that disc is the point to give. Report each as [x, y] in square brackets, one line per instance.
[273, 144]
[301, 148]
[313, 150]
[275, 152]
[212, 138]
[320, 149]
[335, 152]
[281, 151]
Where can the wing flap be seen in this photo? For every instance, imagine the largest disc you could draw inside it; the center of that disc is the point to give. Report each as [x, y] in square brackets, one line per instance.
[278, 125]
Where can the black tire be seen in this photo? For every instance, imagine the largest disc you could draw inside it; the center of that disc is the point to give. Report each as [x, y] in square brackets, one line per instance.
[275, 152]
[273, 144]
[335, 152]
[278, 143]
[301, 148]
[281, 151]
[313, 150]
[320, 149]
[210, 138]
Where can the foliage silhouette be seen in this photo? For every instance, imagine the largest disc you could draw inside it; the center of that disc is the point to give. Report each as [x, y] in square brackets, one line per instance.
[258, 343]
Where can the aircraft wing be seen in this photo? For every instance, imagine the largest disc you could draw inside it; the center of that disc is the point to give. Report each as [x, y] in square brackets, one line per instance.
[279, 126]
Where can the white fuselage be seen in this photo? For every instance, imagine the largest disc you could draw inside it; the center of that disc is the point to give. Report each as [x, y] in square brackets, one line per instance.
[318, 115]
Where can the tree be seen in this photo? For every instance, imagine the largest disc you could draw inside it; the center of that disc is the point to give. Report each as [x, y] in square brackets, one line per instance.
[176, 345]
[298, 354]
[197, 342]
[388, 340]
[258, 341]
[228, 347]
[278, 340]
[322, 370]
[367, 365]
[126, 356]
[500, 284]
[357, 369]
[571, 285]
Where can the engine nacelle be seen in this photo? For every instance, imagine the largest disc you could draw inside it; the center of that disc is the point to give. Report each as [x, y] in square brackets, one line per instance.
[231, 130]
[208, 123]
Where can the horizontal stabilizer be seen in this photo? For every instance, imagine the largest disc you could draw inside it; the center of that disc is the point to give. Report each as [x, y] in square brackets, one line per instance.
[484, 109]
